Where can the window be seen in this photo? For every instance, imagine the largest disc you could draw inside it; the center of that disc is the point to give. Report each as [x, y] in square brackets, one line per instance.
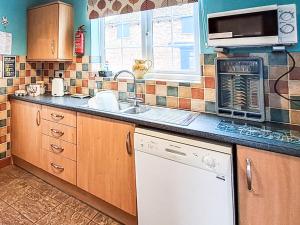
[186, 28]
[123, 31]
[169, 37]
[122, 40]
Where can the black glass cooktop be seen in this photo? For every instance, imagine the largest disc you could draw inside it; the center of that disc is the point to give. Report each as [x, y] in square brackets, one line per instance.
[282, 135]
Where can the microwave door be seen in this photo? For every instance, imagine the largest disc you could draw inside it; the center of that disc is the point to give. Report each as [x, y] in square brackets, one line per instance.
[244, 25]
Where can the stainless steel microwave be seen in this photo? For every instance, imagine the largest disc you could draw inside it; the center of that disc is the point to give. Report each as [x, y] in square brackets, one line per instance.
[260, 26]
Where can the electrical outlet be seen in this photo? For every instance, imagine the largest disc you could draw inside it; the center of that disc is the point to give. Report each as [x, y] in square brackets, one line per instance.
[59, 73]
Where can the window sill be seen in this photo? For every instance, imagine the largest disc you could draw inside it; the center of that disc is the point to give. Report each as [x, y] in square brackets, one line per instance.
[190, 78]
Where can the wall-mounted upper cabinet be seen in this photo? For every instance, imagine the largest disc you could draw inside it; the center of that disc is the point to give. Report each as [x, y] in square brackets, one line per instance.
[50, 32]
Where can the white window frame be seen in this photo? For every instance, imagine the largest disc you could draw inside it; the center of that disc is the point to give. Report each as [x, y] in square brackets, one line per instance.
[147, 49]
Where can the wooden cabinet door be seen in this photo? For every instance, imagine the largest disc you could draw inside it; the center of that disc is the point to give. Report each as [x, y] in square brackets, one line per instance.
[26, 136]
[105, 166]
[275, 195]
[65, 32]
[42, 32]
[50, 32]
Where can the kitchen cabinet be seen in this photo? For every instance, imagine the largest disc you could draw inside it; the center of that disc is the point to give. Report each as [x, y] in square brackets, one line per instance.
[105, 160]
[26, 131]
[268, 188]
[50, 32]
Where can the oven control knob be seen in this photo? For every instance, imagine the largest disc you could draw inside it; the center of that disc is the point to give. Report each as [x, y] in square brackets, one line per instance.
[286, 16]
[150, 146]
[287, 29]
[209, 161]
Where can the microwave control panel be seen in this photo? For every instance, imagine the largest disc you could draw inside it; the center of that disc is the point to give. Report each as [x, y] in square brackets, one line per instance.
[287, 24]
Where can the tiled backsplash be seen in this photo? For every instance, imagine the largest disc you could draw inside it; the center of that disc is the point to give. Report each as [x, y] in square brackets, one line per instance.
[78, 74]
[185, 95]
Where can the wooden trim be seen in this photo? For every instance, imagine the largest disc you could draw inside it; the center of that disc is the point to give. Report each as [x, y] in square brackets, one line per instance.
[5, 162]
[78, 193]
[50, 3]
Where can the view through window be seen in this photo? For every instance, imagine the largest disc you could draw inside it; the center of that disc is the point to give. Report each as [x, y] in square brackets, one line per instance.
[169, 37]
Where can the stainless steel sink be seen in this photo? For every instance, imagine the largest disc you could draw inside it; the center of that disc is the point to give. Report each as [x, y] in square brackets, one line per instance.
[153, 113]
[136, 110]
[125, 106]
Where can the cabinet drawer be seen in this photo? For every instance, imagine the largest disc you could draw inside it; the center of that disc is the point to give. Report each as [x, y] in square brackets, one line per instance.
[59, 166]
[61, 116]
[59, 147]
[59, 131]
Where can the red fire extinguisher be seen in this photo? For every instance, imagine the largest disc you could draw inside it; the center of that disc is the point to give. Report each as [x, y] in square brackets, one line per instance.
[79, 41]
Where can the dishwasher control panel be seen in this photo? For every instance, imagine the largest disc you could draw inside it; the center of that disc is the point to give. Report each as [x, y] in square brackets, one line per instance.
[206, 159]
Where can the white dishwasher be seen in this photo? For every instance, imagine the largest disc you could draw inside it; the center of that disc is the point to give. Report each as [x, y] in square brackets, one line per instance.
[182, 181]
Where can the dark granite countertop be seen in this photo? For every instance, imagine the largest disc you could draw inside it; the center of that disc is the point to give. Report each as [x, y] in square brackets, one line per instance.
[267, 136]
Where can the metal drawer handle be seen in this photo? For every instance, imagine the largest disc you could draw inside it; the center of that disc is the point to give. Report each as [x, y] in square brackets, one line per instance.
[128, 144]
[58, 133]
[59, 168]
[56, 149]
[57, 116]
[38, 118]
[249, 174]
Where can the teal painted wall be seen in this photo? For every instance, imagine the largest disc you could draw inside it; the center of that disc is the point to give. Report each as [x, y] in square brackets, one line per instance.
[16, 12]
[211, 6]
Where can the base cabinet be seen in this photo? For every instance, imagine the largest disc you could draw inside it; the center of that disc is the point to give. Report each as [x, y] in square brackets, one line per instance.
[94, 153]
[26, 134]
[105, 160]
[268, 188]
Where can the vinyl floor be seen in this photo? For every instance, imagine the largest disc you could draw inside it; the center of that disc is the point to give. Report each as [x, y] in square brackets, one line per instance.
[26, 199]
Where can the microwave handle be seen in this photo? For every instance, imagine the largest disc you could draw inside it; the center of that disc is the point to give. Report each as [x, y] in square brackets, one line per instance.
[220, 35]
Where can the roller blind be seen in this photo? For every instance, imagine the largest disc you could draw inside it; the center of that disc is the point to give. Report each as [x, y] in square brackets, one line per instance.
[103, 8]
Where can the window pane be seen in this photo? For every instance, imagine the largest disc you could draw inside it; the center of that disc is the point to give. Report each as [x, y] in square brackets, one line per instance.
[129, 55]
[111, 36]
[174, 39]
[123, 40]
[187, 25]
[114, 57]
[162, 58]
[133, 39]
[162, 31]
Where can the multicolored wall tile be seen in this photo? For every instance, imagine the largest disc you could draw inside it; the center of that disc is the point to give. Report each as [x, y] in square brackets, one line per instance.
[200, 97]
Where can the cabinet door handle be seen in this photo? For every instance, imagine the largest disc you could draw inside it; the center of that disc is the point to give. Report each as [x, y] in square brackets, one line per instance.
[57, 133]
[57, 116]
[52, 47]
[128, 144]
[56, 149]
[58, 168]
[38, 118]
[249, 174]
